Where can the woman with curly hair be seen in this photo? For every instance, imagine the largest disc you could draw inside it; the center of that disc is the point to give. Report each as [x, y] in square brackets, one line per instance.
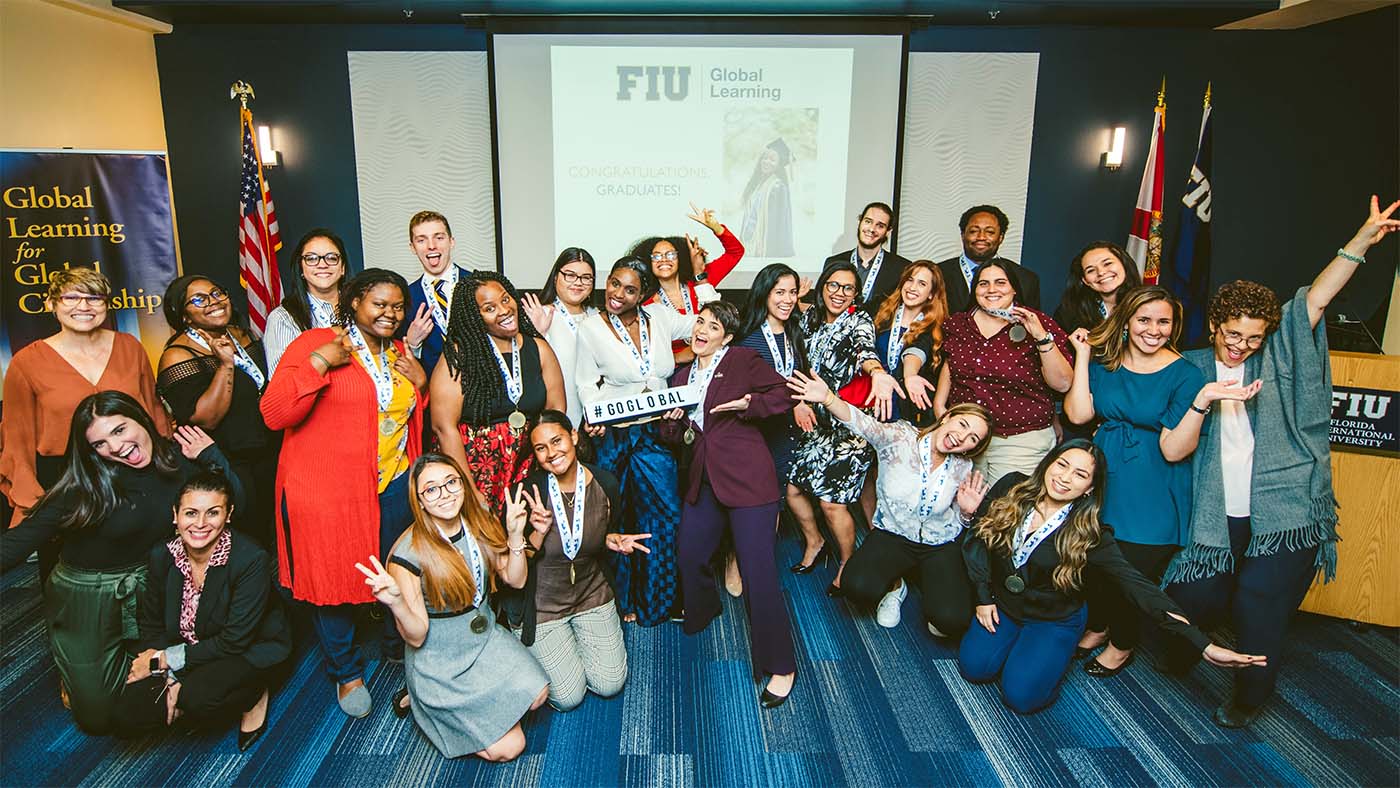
[1263, 516]
[350, 402]
[1026, 557]
[1099, 276]
[1152, 402]
[499, 373]
[684, 276]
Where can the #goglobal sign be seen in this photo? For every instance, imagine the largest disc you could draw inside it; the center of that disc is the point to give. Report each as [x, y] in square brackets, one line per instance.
[641, 406]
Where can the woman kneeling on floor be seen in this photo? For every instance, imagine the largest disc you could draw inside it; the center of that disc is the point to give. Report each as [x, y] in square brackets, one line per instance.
[211, 628]
[1029, 586]
[471, 682]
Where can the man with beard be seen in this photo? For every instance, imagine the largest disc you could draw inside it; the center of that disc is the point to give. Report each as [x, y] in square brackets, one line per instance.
[983, 227]
[879, 270]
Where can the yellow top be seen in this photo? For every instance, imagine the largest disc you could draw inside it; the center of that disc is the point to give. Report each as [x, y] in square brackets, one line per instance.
[393, 458]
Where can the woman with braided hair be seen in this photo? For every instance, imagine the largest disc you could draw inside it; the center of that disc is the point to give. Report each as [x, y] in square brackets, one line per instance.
[499, 373]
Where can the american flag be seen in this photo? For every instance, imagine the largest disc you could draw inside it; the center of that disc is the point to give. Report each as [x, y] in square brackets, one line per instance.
[258, 237]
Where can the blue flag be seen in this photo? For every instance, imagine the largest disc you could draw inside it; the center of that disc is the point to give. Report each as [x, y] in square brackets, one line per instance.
[1189, 275]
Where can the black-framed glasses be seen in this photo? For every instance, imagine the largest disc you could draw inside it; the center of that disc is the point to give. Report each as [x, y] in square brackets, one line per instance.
[72, 300]
[572, 278]
[1236, 339]
[205, 299]
[327, 260]
[657, 257]
[837, 287]
[435, 491]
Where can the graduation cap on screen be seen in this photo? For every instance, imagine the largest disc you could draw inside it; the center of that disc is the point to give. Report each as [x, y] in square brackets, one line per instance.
[781, 148]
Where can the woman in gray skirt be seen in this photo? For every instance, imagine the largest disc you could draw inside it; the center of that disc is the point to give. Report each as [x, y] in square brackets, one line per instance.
[472, 682]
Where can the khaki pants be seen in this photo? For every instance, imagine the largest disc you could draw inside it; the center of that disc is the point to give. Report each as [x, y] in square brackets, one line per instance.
[1019, 453]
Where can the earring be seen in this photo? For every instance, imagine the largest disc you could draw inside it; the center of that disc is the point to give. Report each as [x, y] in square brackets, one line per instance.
[1125, 335]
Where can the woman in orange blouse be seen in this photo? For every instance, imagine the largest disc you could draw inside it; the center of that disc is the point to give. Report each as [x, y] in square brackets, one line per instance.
[47, 379]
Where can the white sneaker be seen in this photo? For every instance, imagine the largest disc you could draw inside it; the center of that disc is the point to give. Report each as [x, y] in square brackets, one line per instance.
[933, 630]
[887, 614]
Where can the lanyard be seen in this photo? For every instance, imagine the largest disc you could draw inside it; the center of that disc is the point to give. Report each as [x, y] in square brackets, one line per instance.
[515, 384]
[701, 378]
[474, 560]
[241, 359]
[968, 269]
[926, 470]
[322, 313]
[568, 318]
[894, 350]
[869, 285]
[784, 362]
[1025, 546]
[381, 373]
[449, 281]
[1103, 309]
[643, 358]
[685, 298]
[570, 534]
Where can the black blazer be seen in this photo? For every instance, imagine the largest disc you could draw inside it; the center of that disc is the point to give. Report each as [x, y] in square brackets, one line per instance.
[959, 298]
[885, 281]
[239, 614]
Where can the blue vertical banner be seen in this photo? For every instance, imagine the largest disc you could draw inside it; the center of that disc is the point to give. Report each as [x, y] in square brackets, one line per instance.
[1189, 277]
[105, 210]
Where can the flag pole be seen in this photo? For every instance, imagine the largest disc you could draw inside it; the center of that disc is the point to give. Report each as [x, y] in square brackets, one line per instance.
[1206, 105]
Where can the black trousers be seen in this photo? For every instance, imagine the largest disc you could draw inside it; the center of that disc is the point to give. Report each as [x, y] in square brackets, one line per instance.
[1261, 596]
[214, 693]
[1109, 608]
[937, 571]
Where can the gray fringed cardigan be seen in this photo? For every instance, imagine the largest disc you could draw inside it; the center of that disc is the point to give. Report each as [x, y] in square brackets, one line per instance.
[1291, 504]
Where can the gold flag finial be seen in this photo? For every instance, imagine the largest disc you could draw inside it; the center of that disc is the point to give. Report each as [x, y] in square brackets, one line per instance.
[1162, 94]
[1207, 104]
[242, 91]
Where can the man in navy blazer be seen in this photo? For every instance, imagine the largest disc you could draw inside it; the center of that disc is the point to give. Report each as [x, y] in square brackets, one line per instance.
[430, 238]
[983, 228]
[873, 228]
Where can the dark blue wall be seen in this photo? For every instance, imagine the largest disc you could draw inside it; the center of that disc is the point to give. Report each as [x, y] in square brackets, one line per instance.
[1306, 126]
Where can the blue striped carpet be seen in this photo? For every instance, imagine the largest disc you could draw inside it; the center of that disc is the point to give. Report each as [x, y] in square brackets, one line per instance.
[871, 707]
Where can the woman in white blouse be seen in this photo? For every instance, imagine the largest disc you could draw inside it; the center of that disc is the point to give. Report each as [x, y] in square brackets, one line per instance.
[311, 299]
[564, 302]
[925, 496]
[625, 350]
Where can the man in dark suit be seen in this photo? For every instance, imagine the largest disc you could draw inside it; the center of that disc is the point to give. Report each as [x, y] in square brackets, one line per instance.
[983, 227]
[430, 238]
[878, 269]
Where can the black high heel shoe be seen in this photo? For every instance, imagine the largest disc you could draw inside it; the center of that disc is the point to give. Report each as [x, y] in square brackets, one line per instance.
[246, 739]
[770, 701]
[401, 710]
[802, 569]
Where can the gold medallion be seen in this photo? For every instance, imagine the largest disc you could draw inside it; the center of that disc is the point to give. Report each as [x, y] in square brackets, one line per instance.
[571, 573]
[689, 436]
[387, 426]
[516, 420]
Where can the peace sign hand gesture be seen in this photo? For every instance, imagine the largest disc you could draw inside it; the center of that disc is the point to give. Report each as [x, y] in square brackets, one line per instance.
[541, 516]
[626, 543]
[706, 217]
[517, 512]
[1378, 224]
[384, 587]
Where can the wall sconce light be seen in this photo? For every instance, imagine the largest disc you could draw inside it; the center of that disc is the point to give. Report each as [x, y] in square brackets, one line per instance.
[1113, 157]
[270, 156]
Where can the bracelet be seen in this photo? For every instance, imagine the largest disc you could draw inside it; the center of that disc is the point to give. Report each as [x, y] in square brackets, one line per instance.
[1045, 340]
[314, 354]
[1345, 255]
[1203, 411]
[516, 550]
[830, 399]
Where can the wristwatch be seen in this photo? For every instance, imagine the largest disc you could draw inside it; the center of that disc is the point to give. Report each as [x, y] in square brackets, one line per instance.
[1045, 340]
[155, 664]
[702, 277]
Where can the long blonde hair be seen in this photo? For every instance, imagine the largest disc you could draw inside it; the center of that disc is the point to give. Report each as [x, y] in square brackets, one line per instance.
[1110, 339]
[447, 580]
[934, 313]
[1074, 540]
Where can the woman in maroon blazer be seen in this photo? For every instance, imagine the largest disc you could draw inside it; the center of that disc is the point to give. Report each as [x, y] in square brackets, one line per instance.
[730, 483]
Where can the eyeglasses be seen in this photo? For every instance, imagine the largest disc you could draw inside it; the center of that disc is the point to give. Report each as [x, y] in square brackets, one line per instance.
[657, 257]
[72, 300]
[435, 491]
[572, 278]
[205, 299]
[327, 260]
[1236, 339]
[837, 287]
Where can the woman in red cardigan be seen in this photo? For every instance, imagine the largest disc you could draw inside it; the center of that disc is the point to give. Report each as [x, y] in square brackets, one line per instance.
[350, 399]
[681, 267]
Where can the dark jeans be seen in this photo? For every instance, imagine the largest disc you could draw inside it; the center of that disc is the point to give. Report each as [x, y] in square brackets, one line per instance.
[1109, 608]
[1030, 656]
[937, 571]
[212, 694]
[1261, 596]
[335, 624]
[752, 528]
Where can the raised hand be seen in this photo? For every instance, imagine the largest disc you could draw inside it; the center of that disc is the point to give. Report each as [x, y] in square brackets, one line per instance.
[221, 345]
[883, 387]
[808, 388]
[705, 217]
[920, 391]
[542, 315]
[193, 440]
[741, 404]
[1079, 340]
[805, 417]
[421, 326]
[382, 584]
[987, 616]
[1229, 389]
[517, 512]
[1031, 321]
[409, 367]
[970, 494]
[626, 543]
[804, 286]
[1379, 223]
[1222, 657]
[541, 516]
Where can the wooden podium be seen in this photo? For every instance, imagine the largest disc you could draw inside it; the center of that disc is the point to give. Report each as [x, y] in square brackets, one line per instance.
[1368, 488]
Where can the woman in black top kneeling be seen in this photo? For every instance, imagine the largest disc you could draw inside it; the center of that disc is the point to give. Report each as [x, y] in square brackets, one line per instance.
[1026, 557]
[211, 627]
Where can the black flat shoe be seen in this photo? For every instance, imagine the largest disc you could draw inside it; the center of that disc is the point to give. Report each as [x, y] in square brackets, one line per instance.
[770, 701]
[802, 569]
[247, 739]
[834, 591]
[1080, 652]
[1097, 669]
[401, 710]
[1228, 715]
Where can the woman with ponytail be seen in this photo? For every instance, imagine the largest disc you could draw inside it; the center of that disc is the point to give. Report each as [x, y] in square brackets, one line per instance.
[471, 682]
[1026, 557]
